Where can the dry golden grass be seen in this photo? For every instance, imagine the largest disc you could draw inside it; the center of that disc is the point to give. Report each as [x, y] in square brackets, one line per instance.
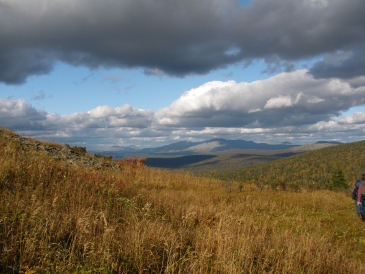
[56, 218]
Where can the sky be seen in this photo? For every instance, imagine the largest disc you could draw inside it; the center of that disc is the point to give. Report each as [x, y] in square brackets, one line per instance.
[152, 72]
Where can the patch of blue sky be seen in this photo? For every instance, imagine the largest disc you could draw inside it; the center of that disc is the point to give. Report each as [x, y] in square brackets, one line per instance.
[67, 89]
[353, 110]
[244, 2]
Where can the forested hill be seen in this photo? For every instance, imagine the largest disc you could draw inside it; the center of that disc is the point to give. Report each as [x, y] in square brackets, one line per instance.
[313, 169]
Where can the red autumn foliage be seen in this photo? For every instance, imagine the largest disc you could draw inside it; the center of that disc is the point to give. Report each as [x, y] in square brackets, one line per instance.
[133, 162]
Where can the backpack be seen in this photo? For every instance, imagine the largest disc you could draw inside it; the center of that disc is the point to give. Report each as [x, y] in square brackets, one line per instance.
[356, 189]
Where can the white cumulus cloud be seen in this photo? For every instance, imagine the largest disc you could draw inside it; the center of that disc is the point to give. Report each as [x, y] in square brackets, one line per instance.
[278, 102]
[288, 106]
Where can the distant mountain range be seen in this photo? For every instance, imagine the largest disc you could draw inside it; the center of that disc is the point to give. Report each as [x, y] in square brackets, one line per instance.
[127, 149]
[185, 148]
[210, 146]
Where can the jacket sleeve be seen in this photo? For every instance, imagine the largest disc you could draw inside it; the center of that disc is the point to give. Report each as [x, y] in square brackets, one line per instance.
[359, 193]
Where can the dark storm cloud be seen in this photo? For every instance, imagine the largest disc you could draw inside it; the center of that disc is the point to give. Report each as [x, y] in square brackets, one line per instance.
[343, 64]
[18, 64]
[171, 36]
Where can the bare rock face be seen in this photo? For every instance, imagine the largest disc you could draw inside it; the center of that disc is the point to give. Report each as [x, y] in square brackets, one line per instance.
[62, 153]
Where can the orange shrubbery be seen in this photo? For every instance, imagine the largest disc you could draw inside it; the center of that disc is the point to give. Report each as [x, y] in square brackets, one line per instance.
[132, 162]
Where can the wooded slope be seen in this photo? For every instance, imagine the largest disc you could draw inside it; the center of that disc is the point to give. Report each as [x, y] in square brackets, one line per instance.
[313, 169]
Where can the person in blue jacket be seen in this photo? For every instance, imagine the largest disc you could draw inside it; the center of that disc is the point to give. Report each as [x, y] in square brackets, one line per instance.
[356, 195]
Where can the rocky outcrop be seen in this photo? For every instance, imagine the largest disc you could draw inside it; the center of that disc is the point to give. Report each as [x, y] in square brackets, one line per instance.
[62, 153]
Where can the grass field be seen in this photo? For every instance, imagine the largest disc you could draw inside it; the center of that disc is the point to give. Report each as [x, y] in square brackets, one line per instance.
[59, 218]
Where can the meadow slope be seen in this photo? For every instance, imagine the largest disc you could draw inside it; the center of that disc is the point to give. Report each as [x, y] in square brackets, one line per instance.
[57, 217]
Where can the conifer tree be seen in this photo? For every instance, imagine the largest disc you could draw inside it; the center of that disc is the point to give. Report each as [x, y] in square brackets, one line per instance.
[338, 179]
